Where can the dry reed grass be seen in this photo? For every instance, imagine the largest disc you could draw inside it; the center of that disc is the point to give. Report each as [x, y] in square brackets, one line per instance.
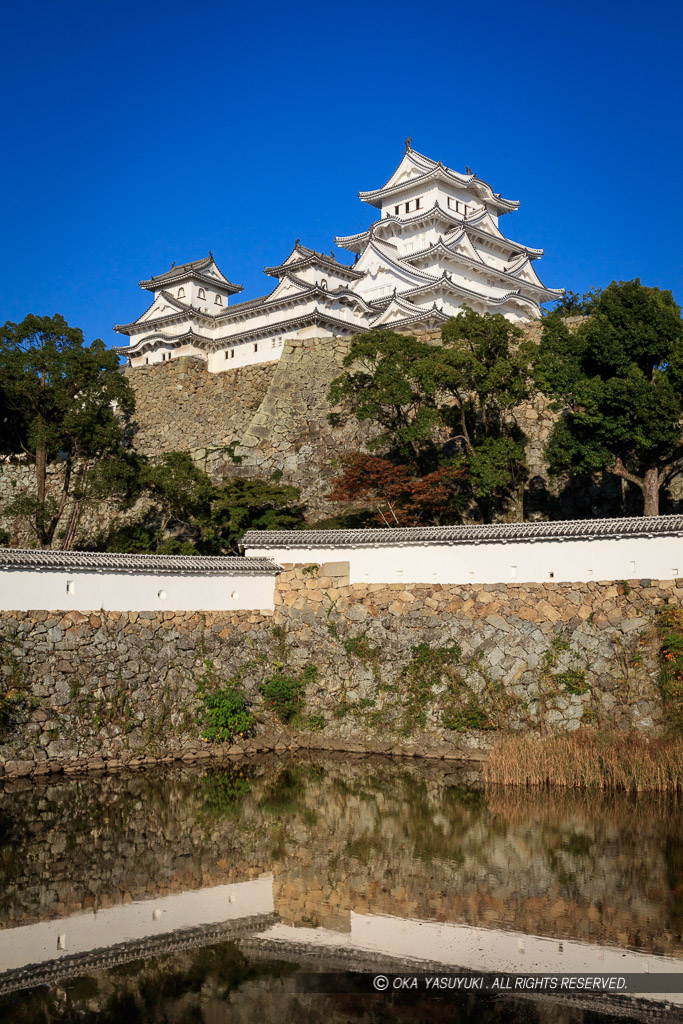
[586, 759]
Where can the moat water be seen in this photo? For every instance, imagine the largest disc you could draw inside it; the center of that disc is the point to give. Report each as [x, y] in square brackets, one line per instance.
[277, 890]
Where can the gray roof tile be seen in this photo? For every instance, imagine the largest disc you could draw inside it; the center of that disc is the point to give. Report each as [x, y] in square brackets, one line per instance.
[99, 560]
[563, 530]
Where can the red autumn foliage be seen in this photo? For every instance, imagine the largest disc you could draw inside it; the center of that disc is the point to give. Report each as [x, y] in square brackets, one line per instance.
[399, 497]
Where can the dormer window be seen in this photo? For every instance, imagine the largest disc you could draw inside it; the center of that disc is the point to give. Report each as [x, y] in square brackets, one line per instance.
[219, 300]
[323, 284]
[181, 293]
[201, 294]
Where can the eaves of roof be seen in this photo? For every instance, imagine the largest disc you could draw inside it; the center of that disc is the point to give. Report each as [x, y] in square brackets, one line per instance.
[316, 318]
[375, 196]
[194, 270]
[433, 213]
[35, 558]
[315, 259]
[636, 526]
[458, 257]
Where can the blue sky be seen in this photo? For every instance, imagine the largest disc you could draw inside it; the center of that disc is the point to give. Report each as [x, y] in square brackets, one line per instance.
[136, 135]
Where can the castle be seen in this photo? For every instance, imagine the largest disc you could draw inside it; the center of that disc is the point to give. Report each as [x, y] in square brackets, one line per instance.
[435, 248]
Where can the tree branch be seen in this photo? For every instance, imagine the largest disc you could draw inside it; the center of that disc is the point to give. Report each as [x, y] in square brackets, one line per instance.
[619, 469]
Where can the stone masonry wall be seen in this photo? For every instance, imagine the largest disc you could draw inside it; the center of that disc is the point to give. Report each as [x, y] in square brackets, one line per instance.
[290, 433]
[182, 407]
[108, 688]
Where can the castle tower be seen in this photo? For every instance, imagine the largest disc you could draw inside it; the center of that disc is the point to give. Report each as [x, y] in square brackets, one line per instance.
[437, 247]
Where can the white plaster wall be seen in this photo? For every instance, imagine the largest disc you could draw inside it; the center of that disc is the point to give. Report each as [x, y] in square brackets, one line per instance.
[268, 350]
[24, 589]
[558, 561]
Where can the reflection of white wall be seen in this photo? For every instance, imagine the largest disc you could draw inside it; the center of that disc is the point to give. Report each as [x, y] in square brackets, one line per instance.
[480, 949]
[560, 561]
[82, 933]
[29, 589]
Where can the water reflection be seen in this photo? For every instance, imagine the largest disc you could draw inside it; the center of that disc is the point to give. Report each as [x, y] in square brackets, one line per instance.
[335, 848]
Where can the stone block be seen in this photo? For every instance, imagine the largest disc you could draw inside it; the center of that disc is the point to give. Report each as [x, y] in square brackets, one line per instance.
[336, 570]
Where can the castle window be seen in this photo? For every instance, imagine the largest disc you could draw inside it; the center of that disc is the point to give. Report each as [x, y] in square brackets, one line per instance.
[407, 207]
[323, 284]
[397, 210]
[181, 293]
[146, 361]
[70, 587]
[417, 204]
[255, 347]
[219, 301]
[201, 294]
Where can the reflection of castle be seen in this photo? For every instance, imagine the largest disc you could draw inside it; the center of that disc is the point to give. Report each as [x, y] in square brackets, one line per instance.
[436, 248]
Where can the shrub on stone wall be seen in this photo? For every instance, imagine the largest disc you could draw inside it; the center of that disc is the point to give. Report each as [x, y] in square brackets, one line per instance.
[285, 694]
[225, 712]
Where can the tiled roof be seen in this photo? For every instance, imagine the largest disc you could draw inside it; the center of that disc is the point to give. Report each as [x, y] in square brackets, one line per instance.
[192, 269]
[40, 559]
[563, 530]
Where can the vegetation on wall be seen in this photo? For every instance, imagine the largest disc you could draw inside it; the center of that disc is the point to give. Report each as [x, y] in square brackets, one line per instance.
[224, 713]
[15, 697]
[284, 692]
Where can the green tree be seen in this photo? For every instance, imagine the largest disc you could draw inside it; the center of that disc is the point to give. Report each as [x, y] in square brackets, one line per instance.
[187, 514]
[60, 399]
[484, 369]
[181, 493]
[388, 388]
[618, 380]
[241, 505]
[446, 405]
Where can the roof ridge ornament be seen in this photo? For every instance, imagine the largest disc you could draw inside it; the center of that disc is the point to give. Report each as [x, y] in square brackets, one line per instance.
[407, 143]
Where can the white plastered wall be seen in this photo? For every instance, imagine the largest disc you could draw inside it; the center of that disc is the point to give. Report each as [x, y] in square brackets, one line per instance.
[26, 589]
[577, 560]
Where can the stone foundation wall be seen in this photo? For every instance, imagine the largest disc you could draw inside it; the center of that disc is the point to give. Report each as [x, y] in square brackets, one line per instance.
[290, 433]
[419, 669]
[182, 407]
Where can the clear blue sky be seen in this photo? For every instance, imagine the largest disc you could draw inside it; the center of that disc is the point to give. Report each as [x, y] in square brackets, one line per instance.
[136, 135]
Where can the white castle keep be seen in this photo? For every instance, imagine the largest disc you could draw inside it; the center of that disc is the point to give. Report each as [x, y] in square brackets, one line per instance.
[435, 248]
